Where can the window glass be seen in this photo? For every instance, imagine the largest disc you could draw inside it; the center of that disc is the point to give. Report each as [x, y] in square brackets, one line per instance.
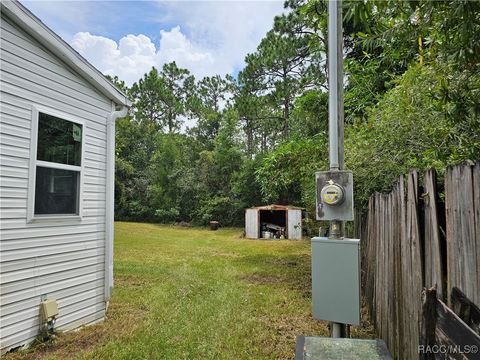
[56, 191]
[59, 140]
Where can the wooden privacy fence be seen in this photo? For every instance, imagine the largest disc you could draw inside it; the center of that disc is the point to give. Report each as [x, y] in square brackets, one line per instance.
[416, 241]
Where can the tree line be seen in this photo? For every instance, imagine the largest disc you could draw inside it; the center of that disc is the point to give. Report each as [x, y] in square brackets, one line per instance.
[412, 100]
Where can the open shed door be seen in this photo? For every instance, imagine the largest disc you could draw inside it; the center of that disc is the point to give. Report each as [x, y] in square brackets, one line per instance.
[294, 224]
[251, 224]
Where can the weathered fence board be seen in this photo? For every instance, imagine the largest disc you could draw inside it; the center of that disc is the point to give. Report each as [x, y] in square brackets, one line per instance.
[433, 237]
[370, 254]
[415, 284]
[466, 310]
[407, 250]
[397, 255]
[444, 334]
[476, 204]
[403, 300]
[463, 240]
[429, 323]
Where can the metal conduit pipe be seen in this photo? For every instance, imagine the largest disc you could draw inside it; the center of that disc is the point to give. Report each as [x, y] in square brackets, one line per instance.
[333, 88]
[335, 113]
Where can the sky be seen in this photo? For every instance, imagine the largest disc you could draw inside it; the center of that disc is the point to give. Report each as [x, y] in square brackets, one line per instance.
[127, 38]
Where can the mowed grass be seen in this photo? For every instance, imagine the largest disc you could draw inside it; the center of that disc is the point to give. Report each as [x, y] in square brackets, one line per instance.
[191, 293]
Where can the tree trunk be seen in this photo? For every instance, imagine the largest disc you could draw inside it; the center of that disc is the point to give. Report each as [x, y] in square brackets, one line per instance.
[286, 115]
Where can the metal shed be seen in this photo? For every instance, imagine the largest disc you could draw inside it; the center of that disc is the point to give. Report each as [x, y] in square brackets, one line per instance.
[273, 221]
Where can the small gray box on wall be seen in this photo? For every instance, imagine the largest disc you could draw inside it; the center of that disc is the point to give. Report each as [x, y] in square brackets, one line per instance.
[336, 280]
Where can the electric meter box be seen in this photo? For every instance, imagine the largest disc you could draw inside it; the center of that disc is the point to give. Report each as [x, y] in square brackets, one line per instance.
[336, 280]
[334, 195]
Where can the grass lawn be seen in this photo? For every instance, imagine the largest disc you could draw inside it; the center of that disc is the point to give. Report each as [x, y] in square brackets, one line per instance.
[190, 293]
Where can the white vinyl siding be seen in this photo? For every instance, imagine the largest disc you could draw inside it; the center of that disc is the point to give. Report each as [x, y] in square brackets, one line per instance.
[63, 260]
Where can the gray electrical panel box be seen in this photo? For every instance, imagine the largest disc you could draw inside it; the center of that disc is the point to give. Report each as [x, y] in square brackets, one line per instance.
[336, 280]
[334, 195]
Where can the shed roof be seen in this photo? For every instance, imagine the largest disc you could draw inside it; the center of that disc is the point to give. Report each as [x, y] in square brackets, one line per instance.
[39, 31]
[277, 207]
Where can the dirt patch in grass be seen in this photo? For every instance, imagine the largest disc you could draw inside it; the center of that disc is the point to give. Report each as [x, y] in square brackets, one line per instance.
[282, 262]
[62, 346]
[286, 328]
[289, 327]
[224, 254]
[258, 279]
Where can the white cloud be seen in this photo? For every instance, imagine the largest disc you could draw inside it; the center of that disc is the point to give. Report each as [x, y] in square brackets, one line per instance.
[175, 46]
[231, 29]
[136, 45]
[205, 37]
[134, 55]
[99, 50]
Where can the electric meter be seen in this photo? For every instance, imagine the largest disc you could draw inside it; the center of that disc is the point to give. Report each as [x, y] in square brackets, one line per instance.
[332, 194]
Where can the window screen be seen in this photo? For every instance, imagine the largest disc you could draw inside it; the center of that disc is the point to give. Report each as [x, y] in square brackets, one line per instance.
[56, 191]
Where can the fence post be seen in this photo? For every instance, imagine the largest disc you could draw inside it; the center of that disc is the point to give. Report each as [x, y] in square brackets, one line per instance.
[429, 323]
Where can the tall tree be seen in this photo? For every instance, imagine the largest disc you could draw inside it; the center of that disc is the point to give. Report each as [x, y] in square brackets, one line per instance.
[161, 97]
[283, 67]
[147, 96]
[178, 86]
[206, 106]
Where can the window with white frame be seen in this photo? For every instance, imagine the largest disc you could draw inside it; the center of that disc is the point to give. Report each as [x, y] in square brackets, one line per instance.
[57, 166]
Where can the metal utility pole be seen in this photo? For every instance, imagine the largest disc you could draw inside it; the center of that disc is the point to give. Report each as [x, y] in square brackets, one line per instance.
[335, 84]
[335, 260]
[335, 114]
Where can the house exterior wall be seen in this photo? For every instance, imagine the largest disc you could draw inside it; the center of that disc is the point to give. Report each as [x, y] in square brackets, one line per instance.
[63, 260]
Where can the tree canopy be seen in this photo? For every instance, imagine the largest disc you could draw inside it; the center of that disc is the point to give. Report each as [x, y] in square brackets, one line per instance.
[412, 100]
